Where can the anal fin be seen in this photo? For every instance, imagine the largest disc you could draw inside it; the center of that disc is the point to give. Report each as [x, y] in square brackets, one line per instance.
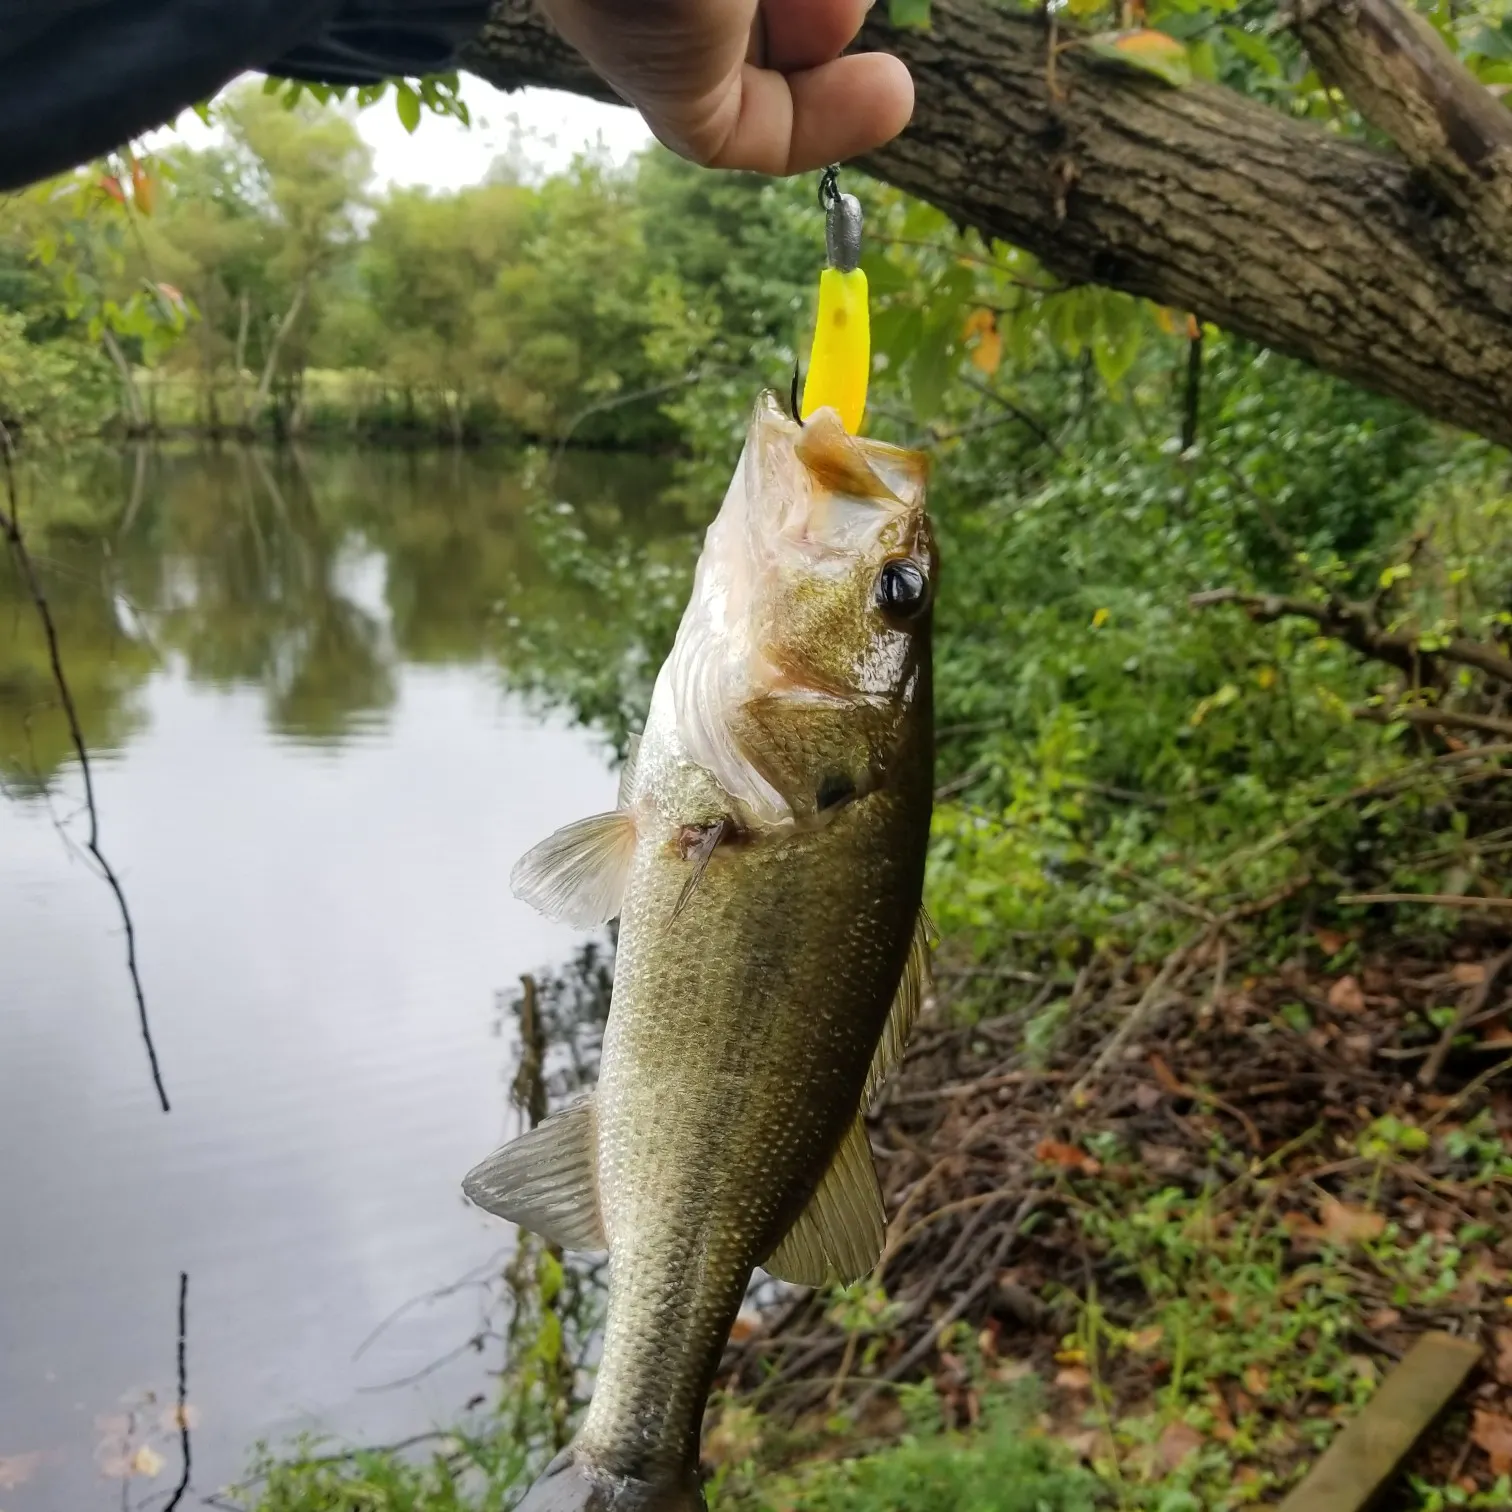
[579, 874]
[547, 1180]
[838, 1236]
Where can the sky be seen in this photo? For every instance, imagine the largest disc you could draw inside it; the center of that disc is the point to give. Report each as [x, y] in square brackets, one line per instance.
[444, 154]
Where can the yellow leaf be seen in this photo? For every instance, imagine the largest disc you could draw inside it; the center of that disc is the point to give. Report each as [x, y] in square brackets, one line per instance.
[977, 323]
[1266, 677]
[987, 355]
[1099, 619]
[147, 1461]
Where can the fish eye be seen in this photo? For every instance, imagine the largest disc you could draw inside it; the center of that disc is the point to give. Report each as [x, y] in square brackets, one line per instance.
[902, 589]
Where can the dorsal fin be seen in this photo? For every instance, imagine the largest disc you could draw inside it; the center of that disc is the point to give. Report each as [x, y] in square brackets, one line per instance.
[627, 772]
[837, 460]
[913, 986]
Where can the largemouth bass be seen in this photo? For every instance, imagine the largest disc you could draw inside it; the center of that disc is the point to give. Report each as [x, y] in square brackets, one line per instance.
[766, 864]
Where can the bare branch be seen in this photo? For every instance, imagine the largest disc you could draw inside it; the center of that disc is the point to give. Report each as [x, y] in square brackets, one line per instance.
[10, 529]
[182, 1411]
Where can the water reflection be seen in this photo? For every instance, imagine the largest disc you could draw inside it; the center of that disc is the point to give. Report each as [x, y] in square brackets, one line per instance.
[314, 780]
[308, 576]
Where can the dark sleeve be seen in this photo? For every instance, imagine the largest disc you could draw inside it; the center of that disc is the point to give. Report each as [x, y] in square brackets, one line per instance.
[79, 77]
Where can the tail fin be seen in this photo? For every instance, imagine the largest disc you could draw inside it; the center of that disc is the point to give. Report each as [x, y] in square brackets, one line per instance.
[571, 1484]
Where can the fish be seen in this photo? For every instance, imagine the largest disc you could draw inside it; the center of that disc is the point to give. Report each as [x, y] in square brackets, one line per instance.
[766, 864]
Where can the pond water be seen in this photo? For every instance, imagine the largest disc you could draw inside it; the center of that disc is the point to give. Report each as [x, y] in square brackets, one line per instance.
[313, 777]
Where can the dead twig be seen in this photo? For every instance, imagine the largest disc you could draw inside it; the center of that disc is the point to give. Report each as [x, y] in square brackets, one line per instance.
[10, 528]
[181, 1411]
[1471, 1006]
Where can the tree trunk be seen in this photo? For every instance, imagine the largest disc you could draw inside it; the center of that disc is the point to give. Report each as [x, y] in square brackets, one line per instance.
[280, 334]
[1387, 270]
[239, 366]
[136, 421]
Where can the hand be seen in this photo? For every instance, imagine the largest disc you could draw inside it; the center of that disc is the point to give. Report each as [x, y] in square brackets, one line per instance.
[752, 84]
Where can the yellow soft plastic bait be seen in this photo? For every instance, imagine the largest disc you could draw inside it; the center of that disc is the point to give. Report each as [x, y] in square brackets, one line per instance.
[840, 360]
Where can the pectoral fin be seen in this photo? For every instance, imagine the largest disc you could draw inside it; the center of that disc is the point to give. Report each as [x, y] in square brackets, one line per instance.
[838, 1237]
[904, 1013]
[578, 874]
[547, 1180]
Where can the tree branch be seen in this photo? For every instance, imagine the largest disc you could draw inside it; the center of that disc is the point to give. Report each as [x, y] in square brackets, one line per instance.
[1396, 70]
[1354, 625]
[10, 530]
[1198, 198]
[1449, 719]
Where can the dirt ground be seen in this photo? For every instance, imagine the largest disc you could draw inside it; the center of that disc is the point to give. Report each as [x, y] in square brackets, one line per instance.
[1208, 1203]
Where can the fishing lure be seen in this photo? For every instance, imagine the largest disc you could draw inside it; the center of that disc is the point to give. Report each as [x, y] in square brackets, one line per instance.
[840, 359]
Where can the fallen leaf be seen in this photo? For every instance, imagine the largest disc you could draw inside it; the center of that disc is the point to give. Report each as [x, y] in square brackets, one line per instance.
[147, 1461]
[1256, 1380]
[1074, 1378]
[1330, 941]
[174, 1417]
[1164, 1160]
[1382, 1319]
[1068, 1157]
[744, 1326]
[1176, 1442]
[1008, 1371]
[1146, 1339]
[1492, 1431]
[1166, 1077]
[1346, 996]
[1503, 1366]
[1468, 973]
[17, 1469]
[1342, 1224]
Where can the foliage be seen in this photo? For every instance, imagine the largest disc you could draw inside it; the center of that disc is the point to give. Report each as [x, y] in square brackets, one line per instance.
[1004, 1463]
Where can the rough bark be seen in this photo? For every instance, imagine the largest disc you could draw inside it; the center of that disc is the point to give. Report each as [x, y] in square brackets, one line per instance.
[1404, 80]
[1360, 261]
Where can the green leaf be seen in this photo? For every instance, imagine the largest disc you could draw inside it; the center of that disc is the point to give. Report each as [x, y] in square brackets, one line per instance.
[1145, 50]
[1253, 49]
[908, 12]
[408, 104]
[930, 371]
[1118, 343]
